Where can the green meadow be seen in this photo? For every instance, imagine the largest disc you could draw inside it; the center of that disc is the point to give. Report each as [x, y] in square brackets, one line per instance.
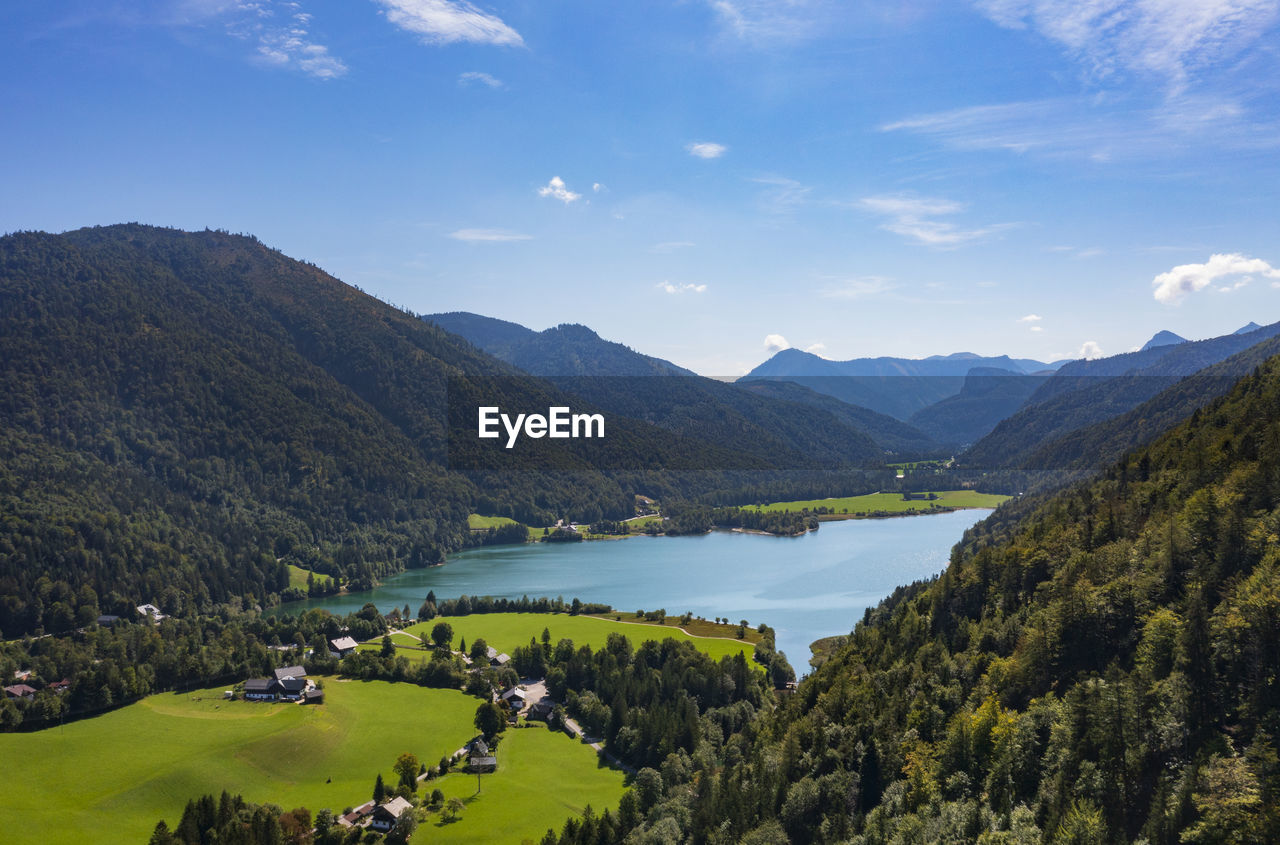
[116, 775]
[298, 577]
[541, 780]
[891, 503]
[507, 631]
[476, 522]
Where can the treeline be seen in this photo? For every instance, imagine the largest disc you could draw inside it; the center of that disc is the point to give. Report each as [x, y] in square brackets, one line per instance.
[465, 605]
[685, 518]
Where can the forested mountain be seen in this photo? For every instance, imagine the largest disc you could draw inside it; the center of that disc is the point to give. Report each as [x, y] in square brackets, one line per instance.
[181, 414]
[1099, 666]
[565, 350]
[619, 379]
[987, 396]
[1083, 393]
[1164, 338]
[898, 387]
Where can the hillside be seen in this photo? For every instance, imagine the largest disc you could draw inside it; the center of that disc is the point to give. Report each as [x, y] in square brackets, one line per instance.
[987, 396]
[1096, 667]
[183, 414]
[1083, 393]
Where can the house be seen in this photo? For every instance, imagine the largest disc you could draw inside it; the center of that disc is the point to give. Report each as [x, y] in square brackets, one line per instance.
[385, 816]
[60, 686]
[315, 695]
[357, 815]
[479, 758]
[500, 660]
[260, 689]
[21, 691]
[151, 612]
[290, 672]
[22, 674]
[515, 698]
[108, 619]
[342, 646]
[540, 710]
[290, 689]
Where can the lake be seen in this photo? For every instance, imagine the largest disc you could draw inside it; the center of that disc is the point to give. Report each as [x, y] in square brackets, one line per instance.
[805, 587]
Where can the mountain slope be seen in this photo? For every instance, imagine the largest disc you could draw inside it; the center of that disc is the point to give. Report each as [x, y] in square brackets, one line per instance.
[1163, 338]
[181, 414]
[1083, 393]
[987, 396]
[1100, 666]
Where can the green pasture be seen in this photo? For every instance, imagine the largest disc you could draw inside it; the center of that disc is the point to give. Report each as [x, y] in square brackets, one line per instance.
[543, 778]
[111, 778]
[508, 631]
[298, 576]
[892, 503]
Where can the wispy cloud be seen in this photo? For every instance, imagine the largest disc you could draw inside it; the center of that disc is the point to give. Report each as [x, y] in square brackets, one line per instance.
[917, 218]
[816, 348]
[1030, 318]
[1172, 39]
[556, 189]
[280, 33]
[488, 235]
[706, 149]
[684, 287]
[775, 343]
[782, 195]
[1173, 286]
[476, 77]
[1037, 328]
[448, 22]
[859, 287]
[771, 23]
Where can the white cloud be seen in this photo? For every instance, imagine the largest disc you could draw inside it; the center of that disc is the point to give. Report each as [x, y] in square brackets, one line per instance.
[858, 287]
[1030, 318]
[488, 235]
[476, 77]
[449, 21]
[670, 246]
[1090, 349]
[1173, 286]
[815, 348]
[775, 343]
[1037, 328]
[914, 217]
[685, 287]
[556, 189]
[706, 149]
[1172, 39]
[596, 187]
[282, 40]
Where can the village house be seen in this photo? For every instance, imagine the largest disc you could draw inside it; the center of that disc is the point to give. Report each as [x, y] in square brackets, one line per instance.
[290, 672]
[357, 815]
[290, 687]
[385, 816]
[498, 659]
[480, 759]
[342, 646]
[515, 698]
[21, 691]
[151, 612]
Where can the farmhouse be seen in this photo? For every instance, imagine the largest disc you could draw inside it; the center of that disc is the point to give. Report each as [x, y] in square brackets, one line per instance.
[21, 691]
[515, 698]
[385, 816]
[260, 689]
[290, 672]
[342, 646]
[479, 758]
[357, 815]
[276, 689]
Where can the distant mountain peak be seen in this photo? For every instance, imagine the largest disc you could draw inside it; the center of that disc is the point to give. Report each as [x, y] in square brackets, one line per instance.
[1248, 327]
[1163, 338]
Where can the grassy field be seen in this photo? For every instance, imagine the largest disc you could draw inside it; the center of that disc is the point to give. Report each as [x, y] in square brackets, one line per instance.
[513, 804]
[476, 522]
[892, 502]
[118, 774]
[507, 631]
[298, 577]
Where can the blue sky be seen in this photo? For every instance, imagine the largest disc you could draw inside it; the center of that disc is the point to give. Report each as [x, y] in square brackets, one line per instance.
[704, 180]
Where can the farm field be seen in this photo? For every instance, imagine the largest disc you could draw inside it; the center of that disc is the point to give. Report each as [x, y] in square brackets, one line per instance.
[120, 773]
[476, 522]
[298, 577]
[891, 503]
[507, 631]
[514, 804]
